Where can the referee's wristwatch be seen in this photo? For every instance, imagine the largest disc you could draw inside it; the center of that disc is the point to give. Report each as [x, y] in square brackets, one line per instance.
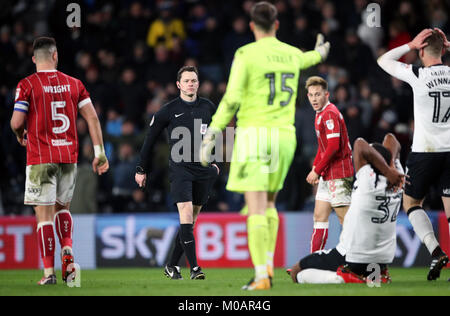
[140, 170]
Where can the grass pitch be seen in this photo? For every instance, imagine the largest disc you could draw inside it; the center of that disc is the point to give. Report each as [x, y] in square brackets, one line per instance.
[219, 282]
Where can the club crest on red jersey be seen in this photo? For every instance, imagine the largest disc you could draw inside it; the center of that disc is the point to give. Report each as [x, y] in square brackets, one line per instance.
[330, 124]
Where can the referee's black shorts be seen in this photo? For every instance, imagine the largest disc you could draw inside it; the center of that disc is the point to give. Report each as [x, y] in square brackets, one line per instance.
[323, 260]
[191, 184]
[424, 170]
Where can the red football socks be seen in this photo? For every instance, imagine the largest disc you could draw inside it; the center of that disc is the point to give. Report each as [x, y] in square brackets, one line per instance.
[46, 240]
[64, 227]
[319, 236]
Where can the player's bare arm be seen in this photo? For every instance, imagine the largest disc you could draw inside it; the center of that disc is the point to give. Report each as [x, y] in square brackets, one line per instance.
[100, 163]
[364, 154]
[18, 121]
[393, 145]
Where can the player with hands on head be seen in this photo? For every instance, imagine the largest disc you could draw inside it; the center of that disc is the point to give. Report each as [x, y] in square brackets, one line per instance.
[369, 229]
[429, 162]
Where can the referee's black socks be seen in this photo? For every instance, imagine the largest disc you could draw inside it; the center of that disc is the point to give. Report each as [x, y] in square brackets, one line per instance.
[188, 243]
[177, 252]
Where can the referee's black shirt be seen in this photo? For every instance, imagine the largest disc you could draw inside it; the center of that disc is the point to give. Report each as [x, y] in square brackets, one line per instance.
[179, 117]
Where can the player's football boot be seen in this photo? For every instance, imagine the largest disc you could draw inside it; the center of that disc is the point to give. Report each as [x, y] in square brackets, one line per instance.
[261, 284]
[197, 274]
[437, 263]
[66, 260]
[349, 276]
[385, 277]
[270, 273]
[288, 271]
[173, 273]
[50, 280]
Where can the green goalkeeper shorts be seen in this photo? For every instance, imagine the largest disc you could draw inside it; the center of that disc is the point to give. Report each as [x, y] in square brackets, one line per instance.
[261, 158]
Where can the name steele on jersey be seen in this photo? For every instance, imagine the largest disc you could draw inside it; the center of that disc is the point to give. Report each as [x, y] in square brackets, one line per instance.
[57, 89]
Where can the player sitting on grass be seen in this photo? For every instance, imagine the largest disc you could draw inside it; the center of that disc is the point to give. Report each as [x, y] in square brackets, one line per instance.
[369, 230]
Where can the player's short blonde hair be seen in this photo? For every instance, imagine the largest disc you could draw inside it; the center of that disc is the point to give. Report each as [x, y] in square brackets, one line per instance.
[316, 81]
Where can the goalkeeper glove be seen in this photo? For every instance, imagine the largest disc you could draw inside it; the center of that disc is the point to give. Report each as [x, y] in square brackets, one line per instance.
[208, 143]
[322, 48]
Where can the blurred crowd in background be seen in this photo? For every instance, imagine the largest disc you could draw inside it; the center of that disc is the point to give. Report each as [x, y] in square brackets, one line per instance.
[127, 53]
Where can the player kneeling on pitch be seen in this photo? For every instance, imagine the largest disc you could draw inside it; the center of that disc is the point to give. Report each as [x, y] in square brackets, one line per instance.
[369, 230]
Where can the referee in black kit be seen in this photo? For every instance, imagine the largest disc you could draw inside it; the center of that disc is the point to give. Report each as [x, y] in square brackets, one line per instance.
[186, 117]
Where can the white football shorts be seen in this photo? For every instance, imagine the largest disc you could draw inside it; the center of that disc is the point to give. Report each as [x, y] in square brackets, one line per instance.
[49, 183]
[337, 192]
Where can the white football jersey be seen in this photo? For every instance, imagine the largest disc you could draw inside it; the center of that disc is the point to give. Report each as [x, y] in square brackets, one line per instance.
[369, 229]
[431, 89]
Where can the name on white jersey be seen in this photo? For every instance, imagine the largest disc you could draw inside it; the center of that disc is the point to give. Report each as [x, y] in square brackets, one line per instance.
[57, 89]
[438, 81]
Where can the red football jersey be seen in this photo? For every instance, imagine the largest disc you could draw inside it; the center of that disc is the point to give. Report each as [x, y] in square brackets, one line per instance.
[51, 100]
[330, 126]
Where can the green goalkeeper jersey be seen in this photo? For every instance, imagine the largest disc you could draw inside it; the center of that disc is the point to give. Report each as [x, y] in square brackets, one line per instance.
[263, 84]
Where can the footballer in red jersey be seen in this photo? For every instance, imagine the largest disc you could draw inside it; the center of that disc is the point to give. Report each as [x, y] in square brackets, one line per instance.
[44, 121]
[333, 167]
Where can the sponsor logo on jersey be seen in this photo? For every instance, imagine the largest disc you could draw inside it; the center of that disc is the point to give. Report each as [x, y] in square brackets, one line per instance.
[61, 142]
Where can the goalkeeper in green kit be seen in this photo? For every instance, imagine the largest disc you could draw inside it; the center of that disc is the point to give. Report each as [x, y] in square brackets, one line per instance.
[262, 91]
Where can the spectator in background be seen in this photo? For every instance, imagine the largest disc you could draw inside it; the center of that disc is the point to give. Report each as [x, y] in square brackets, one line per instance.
[196, 25]
[23, 65]
[237, 37]
[165, 27]
[286, 22]
[210, 52]
[364, 104]
[301, 36]
[161, 71]
[384, 125]
[402, 100]
[133, 27]
[86, 184]
[341, 96]
[132, 96]
[358, 57]
[96, 87]
[355, 126]
[328, 13]
[138, 202]
[123, 180]
[139, 60]
[398, 35]
[109, 66]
